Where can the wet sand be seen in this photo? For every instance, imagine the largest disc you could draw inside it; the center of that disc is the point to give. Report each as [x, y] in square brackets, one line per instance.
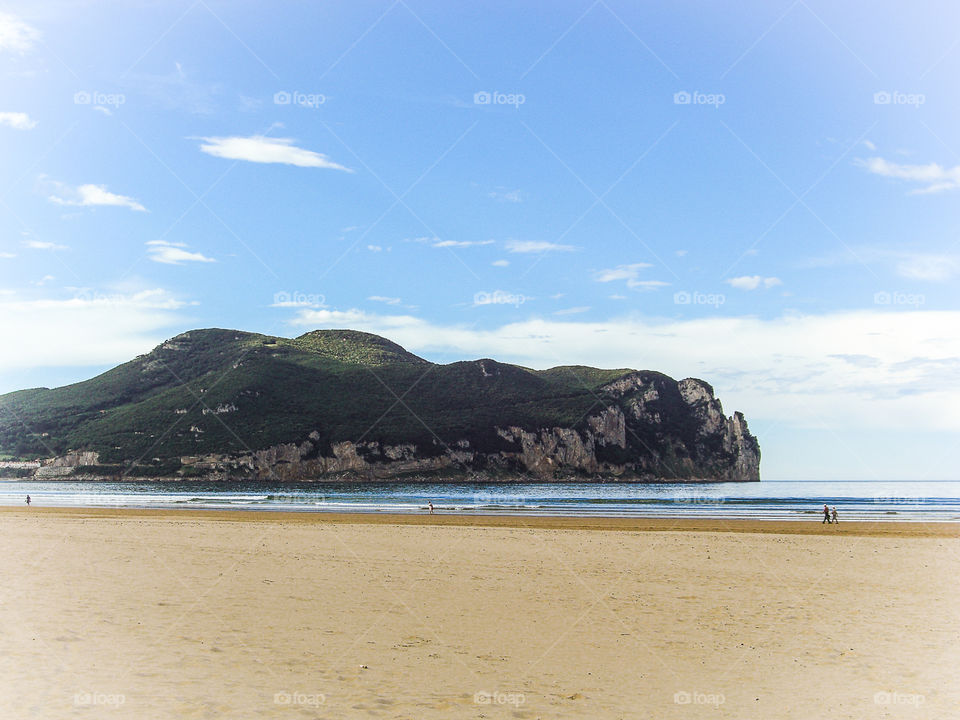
[197, 614]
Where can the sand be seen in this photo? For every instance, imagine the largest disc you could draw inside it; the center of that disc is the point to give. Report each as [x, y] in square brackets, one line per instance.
[157, 614]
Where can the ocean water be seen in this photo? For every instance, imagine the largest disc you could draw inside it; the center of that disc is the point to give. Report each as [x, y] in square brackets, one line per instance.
[878, 501]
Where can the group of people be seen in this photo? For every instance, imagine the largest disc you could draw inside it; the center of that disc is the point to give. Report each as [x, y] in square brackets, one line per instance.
[830, 515]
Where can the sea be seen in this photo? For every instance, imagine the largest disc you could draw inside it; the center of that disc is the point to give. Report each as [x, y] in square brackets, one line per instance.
[768, 500]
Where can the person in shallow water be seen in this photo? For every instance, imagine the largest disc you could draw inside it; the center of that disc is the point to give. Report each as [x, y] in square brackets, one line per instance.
[833, 514]
[431, 507]
[28, 501]
[826, 515]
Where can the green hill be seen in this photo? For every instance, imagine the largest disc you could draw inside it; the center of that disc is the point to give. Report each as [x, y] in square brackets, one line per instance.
[212, 400]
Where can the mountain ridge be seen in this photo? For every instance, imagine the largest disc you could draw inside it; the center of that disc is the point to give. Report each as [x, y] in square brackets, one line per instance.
[225, 403]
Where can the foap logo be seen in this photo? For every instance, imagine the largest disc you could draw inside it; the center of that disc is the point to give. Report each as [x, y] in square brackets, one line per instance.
[895, 297]
[895, 97]
[489, 500]
[484, 97]
[301, 99]
[99, 99]
[299, 698]
[693, 497]
[99, 298]
[297, 299]
[498, 297]
[83, 699]
[484, 697]
[895, 500]
[885, 697]
[682, 697]
[685, 297]
[683, 97]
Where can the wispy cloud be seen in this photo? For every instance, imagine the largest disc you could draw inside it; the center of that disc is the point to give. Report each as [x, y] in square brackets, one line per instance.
[385, 300]
[933, 177]
[460, 243]
[631, 274]
[15, 35]
[536, 246]
[752, 282]
[503, 195]
[43, 245]
[925, 266]
[17, 120]
[573, 310]
[261, 149]
[170, 253]
[91, 196]
[500, 263]
[929, 267]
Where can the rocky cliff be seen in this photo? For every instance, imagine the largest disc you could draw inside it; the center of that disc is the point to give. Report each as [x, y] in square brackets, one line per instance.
[336, 404]
[631, 436]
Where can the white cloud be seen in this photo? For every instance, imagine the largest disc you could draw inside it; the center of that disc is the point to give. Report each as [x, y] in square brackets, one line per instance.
[92, 328]
[795, 373]
[17, 120]
[355, 319]
[170, 253]
[933, 177]
[374, 248]
[91, 196]
[631, 274]
[460, 243]
[500, 263]
[261, 149]
[647, 284]
[869, 145]
[752, 282]
[923, 266]
[7, 255]
[573, 310]
[511, 196]
[43, 245]
[15, 35]
[536, 246]
[385, 300]
[932, 268]
[621, 272]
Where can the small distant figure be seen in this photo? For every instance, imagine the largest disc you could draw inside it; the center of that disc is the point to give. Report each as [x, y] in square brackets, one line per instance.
[431, 507]
[28, 501]
[826, 515]
[833, 514]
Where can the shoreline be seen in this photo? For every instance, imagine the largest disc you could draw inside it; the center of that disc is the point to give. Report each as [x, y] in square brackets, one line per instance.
[532, 522]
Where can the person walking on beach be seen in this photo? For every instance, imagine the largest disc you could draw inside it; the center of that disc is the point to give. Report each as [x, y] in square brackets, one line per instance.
[28, 501]
[430, 503]
[833, 514]
[826, 515]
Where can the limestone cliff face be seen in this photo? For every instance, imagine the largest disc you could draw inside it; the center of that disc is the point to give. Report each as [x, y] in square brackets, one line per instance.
[646, 427]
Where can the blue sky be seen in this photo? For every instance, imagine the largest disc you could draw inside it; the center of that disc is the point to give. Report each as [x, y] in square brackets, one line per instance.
[762, 196]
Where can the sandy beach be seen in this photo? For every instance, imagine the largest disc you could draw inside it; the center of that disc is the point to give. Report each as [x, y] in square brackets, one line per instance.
[159, 614]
